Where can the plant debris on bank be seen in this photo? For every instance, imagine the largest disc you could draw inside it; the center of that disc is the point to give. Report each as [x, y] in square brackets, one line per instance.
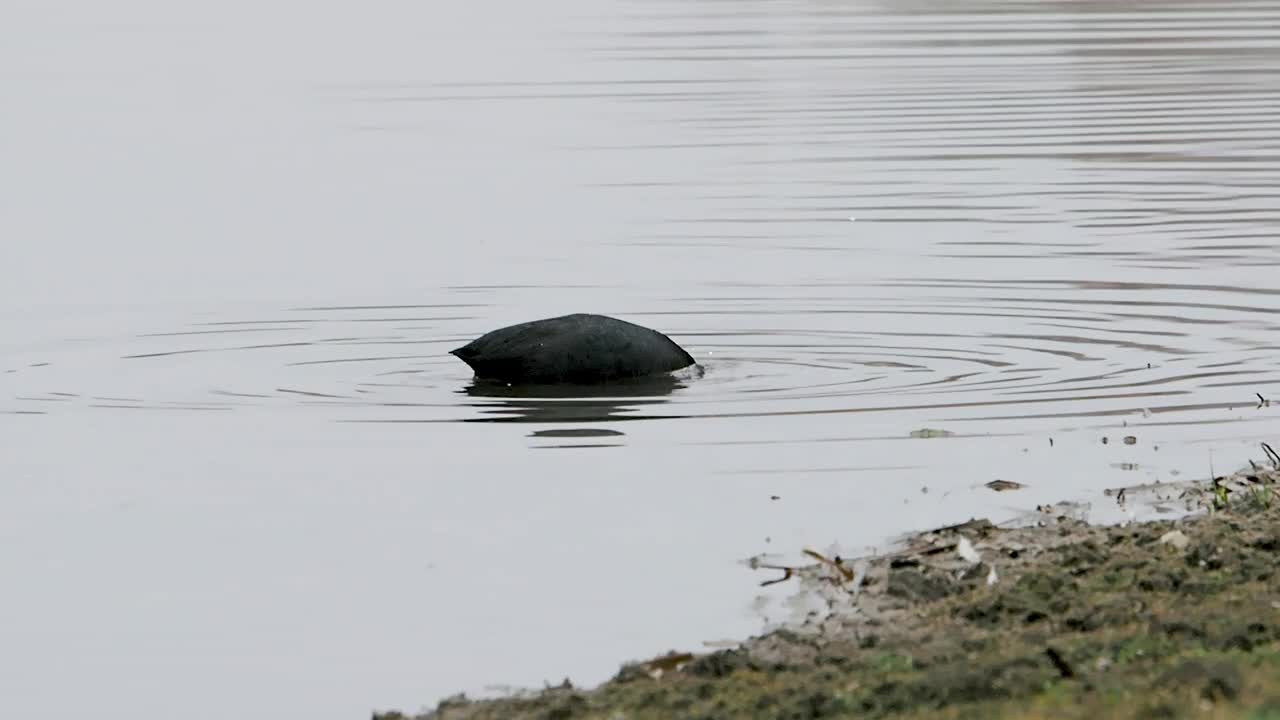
[1160, 619]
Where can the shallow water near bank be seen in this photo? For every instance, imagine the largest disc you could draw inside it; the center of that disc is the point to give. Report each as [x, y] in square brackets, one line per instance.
[238, 455]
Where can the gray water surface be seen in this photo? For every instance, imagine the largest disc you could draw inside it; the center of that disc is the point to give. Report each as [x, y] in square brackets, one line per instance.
[243, 478]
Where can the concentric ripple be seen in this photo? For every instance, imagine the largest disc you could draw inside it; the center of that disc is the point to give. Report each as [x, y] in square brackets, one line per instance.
[961, 348]
[989, 210]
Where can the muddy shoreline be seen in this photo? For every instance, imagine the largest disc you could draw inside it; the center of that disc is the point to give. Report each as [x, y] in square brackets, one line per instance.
[1056, 618]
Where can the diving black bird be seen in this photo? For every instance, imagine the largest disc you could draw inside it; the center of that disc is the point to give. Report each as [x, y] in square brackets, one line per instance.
[578, 348]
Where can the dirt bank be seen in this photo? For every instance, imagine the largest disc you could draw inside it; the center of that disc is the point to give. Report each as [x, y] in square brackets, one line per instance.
[1159, 619]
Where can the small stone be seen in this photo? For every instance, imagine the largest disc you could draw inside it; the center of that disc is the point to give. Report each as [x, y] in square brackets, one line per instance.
[1175, 538]
[1130, 440]
[965, 550]
[930, 433]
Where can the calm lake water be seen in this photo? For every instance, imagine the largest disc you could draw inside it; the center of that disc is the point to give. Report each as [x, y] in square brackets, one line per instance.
[242, 478]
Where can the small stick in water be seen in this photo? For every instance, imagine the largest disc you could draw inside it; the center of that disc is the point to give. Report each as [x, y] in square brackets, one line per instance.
[1271, 455]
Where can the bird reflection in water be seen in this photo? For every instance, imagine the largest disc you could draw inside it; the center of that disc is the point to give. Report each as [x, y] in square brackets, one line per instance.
[616, 401]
